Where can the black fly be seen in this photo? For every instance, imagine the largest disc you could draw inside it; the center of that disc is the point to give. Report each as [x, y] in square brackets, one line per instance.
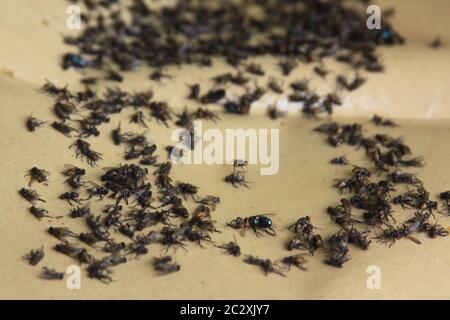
[74, 175]
[38, 175]
[34, 123]
[71, 196]
[231, 248]
[259, 222]
[63, 128]
[83, 149]
[51, 274]
[165, 266]
[30, 195]
[267, 265]
[35, 256]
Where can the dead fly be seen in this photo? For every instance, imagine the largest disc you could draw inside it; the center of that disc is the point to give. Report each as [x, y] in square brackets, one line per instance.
[236, 180]
[433, 230]
[114, 247]
[194, 91]
[379, 215]
[419, 199]
[83, 149]
[259, 222]
[231, 248]
[53, 90]
[174, 153]
[297, 260]
[34, 123]
[73, 60]
[113, 260]
[91, 238]
[61, 233]
[206, 114]
[302, 97]
[275, 86]
[170, 237]
[112, 219]
[213, 96]
[148, 160]
[287, 66]
[158, 75]
[148, 150]
[70, 196]
[85, 257]
[75, 175]
[81, 212]
[187, 189]
[208, 200]
[88, 128]
[222, 79]
[85, 95]
[350, 86]
[255, 69]
[332, 99]
[267, 265]
[239, 79]
[69, 249]
[63, 128]
[118, 137]
[112, 75]
[184, 119]
[93, 222]
[300, 85]
[64, 110]
[38, 175]
[379, 121]
[89, 81]
[303, 226]
[51, 274]
[138, 248]
[127, 230]
[340, 160]
[200, 219]
[98, 270]
[390, 235]
[39, 213]
[188, 233]
[164, 265]
[139, 118]
[328, 128]
[35, 256]
[407, 178]
[414, 162]
[274, 113]
[240, 165]
[358, 238]
[132, 154]
[321, 71]
[161, 112]
[30, 195]
[241, 107]
[305, 237]
[97, 191]
[342, 213]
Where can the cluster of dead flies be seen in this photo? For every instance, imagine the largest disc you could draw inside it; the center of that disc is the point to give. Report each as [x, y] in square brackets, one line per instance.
[130, 187]
[191, 32]
[377, 199]
[194, 32]
[135, 209]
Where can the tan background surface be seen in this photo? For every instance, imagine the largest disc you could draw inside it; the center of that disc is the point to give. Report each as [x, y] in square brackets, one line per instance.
[415, 86]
